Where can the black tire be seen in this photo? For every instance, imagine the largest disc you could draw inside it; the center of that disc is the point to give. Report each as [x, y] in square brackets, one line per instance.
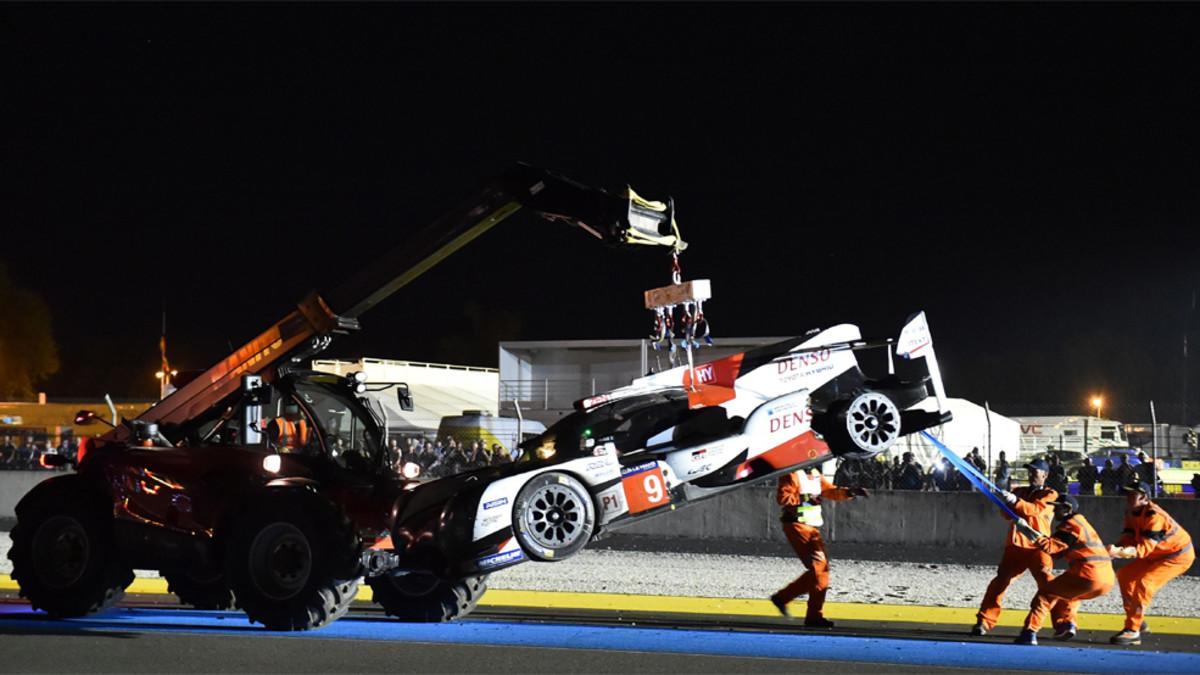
[553, 516]
[64, 553]
[290, 562]
[426, 598]
[209, 591]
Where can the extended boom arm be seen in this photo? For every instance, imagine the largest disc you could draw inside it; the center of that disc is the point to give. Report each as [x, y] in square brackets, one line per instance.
[614, 219]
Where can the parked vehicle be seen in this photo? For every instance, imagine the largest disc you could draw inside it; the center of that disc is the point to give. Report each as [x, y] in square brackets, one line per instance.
[1071, 461]
[1080, 434]
[1098, 457]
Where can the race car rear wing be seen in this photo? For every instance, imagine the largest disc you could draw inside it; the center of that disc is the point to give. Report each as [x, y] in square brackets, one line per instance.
[916, 342]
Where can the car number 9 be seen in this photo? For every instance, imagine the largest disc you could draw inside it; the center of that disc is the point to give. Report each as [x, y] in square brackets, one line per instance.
[645, 490]
[654, 488]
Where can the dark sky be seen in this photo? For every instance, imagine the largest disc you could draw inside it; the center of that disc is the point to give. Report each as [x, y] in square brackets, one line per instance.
[1028, 174]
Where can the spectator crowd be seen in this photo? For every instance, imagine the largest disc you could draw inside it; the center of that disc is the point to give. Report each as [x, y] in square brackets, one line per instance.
[442, 457]
[25, 452]
[905, 473]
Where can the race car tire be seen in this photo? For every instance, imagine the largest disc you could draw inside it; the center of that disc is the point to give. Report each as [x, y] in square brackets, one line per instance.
[425, 598]
[553, 516]
[64, 553]
[287, 563]
[200, 591]
[864, 426]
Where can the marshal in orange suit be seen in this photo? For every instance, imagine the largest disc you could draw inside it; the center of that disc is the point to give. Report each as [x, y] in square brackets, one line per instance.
[1033, 504]
[800, 494]
[1161, 550]
[1089, 573]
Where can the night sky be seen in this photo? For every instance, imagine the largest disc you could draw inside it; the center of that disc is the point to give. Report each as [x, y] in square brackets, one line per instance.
[1027, 174]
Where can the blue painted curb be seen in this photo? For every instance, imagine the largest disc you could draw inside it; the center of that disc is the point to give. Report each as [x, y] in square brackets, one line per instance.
[625, 638]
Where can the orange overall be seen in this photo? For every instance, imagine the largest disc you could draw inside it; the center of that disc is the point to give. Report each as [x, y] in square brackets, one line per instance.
[1163, 552]
[1089, 573]
[1021, 554]
[799, 494]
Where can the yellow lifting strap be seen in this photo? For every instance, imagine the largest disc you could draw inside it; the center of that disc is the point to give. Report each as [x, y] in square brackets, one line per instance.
[636, 236]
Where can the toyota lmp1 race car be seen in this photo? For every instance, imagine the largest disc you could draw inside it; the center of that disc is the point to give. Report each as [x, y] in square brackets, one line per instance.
[671, 439]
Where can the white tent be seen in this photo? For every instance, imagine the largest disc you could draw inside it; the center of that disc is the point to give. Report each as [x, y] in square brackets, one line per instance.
[969, 429]
[438, 390]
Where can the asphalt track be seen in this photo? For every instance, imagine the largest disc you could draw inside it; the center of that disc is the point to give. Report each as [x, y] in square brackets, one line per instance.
[520, 631]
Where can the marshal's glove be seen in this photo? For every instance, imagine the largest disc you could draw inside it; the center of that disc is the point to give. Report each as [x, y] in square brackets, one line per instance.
[1122, 551]
[1008, 497]
[1025, 529]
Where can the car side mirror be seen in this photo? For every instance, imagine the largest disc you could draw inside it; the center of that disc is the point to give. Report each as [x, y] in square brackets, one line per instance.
[85, 417]
[404, 397]
[49, 461]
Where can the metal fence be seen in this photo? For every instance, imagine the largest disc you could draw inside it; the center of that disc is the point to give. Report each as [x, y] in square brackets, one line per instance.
[546, 394]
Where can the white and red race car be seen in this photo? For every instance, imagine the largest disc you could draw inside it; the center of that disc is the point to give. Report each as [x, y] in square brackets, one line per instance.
[665, 441]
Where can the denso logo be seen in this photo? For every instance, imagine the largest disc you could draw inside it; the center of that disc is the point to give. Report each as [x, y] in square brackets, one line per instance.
[803, 360]
[791, 420]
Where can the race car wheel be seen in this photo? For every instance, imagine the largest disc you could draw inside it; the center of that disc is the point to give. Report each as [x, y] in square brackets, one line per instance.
[873, 422]
[862, 427]
[553, 517]
[426, 598]
[288, 563]
[202, 591]
[64, 554]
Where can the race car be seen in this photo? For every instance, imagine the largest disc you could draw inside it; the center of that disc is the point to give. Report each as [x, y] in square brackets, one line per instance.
[665, 441]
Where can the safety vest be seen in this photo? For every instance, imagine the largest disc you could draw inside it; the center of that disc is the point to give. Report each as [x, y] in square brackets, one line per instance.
[808, 512]
[288, 434]
[1083, 544]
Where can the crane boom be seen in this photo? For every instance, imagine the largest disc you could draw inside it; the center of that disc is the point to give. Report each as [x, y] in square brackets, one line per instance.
[616, 219]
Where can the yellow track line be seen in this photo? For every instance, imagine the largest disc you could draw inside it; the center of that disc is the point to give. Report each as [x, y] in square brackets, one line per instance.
[620, 602]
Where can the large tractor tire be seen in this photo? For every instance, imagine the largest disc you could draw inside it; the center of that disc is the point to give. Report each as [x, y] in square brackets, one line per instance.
[207, 591]
[862, 427]
[553, 516]
[426, 598]
[291, 562]
[64, 554]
